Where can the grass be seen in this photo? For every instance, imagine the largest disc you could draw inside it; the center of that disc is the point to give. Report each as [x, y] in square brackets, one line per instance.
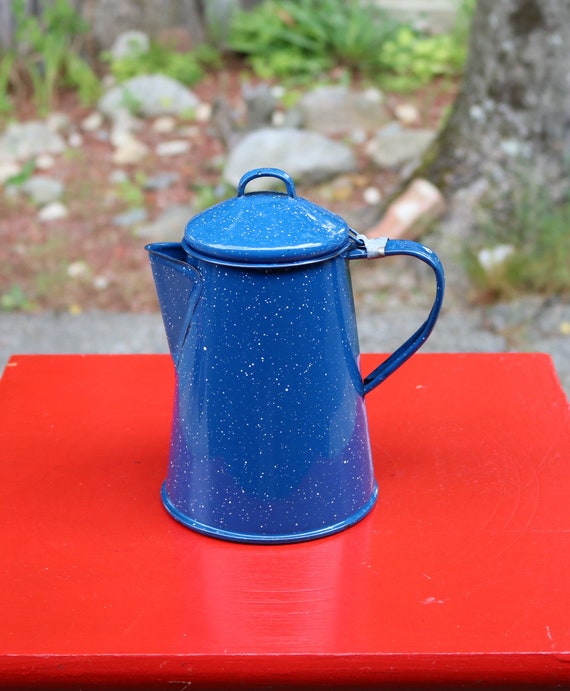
[538, 233]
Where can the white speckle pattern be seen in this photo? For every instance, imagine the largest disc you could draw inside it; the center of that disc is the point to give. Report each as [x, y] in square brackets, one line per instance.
[270, 440]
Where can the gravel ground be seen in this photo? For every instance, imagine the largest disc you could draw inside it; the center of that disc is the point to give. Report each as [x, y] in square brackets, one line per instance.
[529, 324]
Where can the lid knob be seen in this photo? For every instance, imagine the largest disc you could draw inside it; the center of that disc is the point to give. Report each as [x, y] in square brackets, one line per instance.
[266, 173]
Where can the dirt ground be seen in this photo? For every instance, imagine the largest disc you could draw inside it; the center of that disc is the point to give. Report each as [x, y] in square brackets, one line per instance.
[84, 261]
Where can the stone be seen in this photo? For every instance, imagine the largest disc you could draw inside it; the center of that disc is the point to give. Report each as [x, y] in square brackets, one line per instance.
[45, 161]
[42, 189]
[407, 113]
[260, 105]
[78, 269]
[124, 124]
[164, 124]
[372, 195]
[203, 112]
[175, 147]
[393, 146]
[337, 109]
[410, 214]
[150, 96]
[129, 151]
[7, 171]
[308, 157]
[131, 217]
[161, 181]
[26, 140]
[130, 44]
[92, 122]
[52, 212]
[75, 140]
[58, 121]
[169, 226]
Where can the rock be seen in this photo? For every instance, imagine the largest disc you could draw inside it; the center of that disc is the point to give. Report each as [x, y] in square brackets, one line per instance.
[161, 181]
[92, 122]
[307, 156]
[130, 44]
[45, 161]
[410, 214]
[131, 217]
[175, 147]
[260, 105]
[407, 113]
[203, 112]
[78, 269]
[7, 171]
[372, 195]
[169, 226]
[164, 124]
[124, 124]
[42, 189]
[52, 212]
[57, 121]
[22, 141]
[334, 109]
[150, 96]
[393, 145]
[75, 140]
[129, 151]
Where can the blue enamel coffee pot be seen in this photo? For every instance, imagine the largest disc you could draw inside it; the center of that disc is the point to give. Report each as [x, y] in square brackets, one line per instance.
[269, 439]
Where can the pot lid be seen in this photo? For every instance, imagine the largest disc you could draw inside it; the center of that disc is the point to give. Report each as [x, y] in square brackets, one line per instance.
[266, 228]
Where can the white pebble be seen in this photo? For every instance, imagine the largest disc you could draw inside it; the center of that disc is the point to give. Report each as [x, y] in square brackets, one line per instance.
[164, 124]
[203, 112]
[45, 161]
[175, 147]
[372, 195]
[77, 269]
[92, 122]
[52, 212]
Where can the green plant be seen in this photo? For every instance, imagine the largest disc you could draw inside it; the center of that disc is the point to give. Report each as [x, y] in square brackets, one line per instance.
[411, 60]
[187, 67]
[537, 236]
[300, 39]
[6, 67]
[15, 300]
[22, 176]
[47, 54]
[206, 196]
[130, 192]
[297, 39]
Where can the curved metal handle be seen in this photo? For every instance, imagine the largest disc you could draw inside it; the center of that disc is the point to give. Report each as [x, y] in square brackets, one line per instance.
[266, 173]
[383, 247]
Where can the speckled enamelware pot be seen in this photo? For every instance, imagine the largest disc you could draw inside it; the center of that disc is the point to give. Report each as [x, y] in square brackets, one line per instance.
[269, 436]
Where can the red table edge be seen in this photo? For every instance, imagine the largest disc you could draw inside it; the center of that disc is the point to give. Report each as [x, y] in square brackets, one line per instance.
[242, 669]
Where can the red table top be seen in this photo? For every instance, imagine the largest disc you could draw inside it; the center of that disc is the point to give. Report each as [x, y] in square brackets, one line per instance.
[459, 574]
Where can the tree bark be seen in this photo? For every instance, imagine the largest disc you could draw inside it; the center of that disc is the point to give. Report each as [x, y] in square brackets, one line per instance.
[510, 122]
[108, 18]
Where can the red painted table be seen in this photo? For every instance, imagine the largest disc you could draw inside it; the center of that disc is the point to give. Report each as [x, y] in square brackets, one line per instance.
[459, 574]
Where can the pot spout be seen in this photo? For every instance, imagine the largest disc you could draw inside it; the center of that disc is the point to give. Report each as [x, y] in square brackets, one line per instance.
[178, 286]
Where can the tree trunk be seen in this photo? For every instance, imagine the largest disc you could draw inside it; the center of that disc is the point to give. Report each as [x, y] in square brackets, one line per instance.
[108, 18]
[510, 123]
